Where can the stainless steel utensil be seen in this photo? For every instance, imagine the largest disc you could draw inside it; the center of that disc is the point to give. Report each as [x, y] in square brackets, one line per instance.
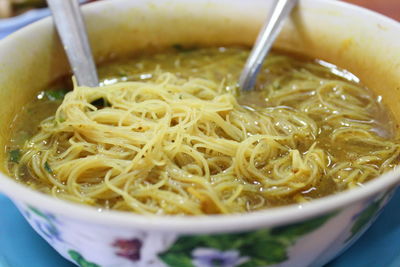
[273, 25]
[72, 31]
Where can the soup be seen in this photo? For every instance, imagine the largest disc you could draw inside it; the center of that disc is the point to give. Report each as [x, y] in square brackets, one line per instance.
[168, 133]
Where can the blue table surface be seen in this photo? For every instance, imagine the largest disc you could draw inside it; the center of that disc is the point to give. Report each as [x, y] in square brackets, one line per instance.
[20, 246]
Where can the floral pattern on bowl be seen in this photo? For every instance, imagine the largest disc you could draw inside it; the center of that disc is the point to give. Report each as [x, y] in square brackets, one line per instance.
[88, 246]
[255, 248]
[45, 224]
[79, 260]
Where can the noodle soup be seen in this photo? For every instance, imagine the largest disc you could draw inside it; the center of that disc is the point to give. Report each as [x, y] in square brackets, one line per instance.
[168, 133]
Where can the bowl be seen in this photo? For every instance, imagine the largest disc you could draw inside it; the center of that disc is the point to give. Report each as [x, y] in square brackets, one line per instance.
[309, 234]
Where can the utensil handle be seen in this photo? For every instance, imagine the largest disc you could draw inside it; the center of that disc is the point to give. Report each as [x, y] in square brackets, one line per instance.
[263, 44]
[71, 29]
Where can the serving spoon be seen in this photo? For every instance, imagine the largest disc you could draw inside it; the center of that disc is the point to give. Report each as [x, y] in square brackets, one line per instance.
[270, 30]
[72, 31]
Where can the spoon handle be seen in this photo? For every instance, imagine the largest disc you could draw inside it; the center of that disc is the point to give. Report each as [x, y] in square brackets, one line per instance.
[263, 44]
[71, 29]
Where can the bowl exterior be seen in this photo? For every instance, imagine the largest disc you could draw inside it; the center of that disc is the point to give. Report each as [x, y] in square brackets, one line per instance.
[311, 242]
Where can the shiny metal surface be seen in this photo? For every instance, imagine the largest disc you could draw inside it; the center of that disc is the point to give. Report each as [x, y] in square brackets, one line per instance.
[72, 31]
[281, 9]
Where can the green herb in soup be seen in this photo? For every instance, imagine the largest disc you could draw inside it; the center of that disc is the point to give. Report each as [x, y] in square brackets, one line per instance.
[167, 133]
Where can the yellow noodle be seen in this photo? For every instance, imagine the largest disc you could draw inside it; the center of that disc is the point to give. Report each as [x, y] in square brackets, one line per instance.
[180, 143]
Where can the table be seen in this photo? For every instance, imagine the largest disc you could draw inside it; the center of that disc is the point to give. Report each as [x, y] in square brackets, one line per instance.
[389, 8]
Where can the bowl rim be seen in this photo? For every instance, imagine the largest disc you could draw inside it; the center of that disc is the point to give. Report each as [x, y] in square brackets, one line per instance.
[210, 223]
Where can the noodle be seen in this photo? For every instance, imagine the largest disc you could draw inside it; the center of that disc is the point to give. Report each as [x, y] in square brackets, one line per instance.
[175, 144]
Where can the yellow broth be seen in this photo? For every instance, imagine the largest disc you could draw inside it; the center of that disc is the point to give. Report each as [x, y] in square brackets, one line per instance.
[223, 66]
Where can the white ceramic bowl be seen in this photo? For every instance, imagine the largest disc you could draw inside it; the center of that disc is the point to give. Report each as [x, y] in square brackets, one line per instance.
[361, 41]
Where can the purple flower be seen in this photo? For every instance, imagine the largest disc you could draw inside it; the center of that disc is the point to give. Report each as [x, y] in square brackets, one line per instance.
[209, 257]
[129, 249]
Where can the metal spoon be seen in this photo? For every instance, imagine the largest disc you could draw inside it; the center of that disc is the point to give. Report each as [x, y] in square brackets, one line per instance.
[72, 31]
[263, 44]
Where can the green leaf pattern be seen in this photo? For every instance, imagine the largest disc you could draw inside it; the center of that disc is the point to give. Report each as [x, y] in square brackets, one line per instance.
[250, 249]
[78, 259]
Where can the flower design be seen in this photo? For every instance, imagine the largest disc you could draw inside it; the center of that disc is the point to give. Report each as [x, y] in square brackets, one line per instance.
[263, 247]
[129, 249]
[208, 257]
[81, 261]
[45, 223]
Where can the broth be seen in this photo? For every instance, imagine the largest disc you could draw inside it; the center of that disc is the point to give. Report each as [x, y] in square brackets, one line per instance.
[359, 141]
